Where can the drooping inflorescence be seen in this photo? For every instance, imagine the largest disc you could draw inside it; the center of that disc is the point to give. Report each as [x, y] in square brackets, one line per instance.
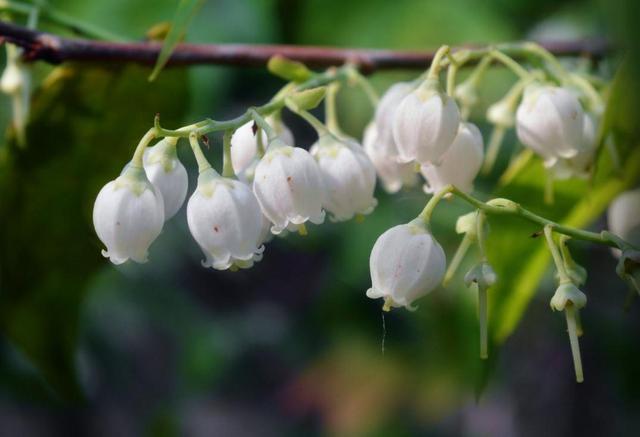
[269, 184]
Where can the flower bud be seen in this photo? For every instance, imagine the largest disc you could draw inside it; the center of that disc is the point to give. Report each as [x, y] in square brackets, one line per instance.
[467, 93]
[481, 274]
[225, 220]
[167, 174]
[406, 263]
[425, 124]
[13, 79]
[567, 293]
[501, 114]
[244, 144]
[348, 175]
[550, 121]
[289, 187]
[460, 163]
[128, 215]
[393, 175]
[467, 223]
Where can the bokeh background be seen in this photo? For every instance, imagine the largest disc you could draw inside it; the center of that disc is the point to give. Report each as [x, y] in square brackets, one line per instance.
[292, 346]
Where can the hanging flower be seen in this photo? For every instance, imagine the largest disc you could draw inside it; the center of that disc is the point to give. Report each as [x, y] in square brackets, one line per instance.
[460, 163]
[128, 216]
[550, 121]
[348, 175]
[392, 174]
[425, 124]
[581, 164]
[406, 263]
[225, 220]
[167, 174]
[289, 187]
[384, 116]
[244, 143]
[623, 217]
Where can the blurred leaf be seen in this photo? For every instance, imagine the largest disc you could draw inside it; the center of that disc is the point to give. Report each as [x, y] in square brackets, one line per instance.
[82, 132]
[186, 10]
[578, 204]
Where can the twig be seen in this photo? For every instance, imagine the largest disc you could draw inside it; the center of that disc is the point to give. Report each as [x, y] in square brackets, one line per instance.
[55, 49]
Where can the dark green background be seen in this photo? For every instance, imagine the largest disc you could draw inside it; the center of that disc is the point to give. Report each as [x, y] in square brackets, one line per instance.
[292, 346]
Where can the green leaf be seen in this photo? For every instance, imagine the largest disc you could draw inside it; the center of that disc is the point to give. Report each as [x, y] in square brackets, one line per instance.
[80, 136]
[289, 70]
[185, 12]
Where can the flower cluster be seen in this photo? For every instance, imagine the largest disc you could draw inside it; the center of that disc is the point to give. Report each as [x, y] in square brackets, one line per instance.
[269, 186]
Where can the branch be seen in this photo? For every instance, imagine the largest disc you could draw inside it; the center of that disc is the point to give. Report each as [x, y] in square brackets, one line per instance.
[55, 49]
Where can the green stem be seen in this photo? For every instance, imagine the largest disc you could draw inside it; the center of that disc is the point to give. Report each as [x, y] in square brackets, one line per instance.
[457, 258]
[203, 164]
[495, 141]
[555, 253]
[426, 213]
[434, 70]
[604, 238]
[330, 110]
[480, 225]
[483, 317]
[275, 104]
[259, 143]
[136, 161]
[570, 313]
[320, 128]
[227, 163]
[452, 71]
[510, 63]
[263, 124]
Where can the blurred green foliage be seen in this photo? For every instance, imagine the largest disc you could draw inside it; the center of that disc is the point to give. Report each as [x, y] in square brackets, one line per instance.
[303, 307]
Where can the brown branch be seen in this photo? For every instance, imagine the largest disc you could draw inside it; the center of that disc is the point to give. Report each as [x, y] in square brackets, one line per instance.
[55, 49]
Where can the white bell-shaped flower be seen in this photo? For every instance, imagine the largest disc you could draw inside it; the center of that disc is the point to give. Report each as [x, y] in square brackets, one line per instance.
[167, 174]
[581, 164]
[623, 217]
[244, 144]
[550, 122]
[384, 116]
[289, 187]
[406, 263]
[348, 175]
[247, 176]
[425, 124]
[393, 175]
[225, 220]
[13, 79]
[128, 216]
[460, 163]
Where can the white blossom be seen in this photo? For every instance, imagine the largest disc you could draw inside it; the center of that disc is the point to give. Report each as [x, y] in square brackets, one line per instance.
[393, 174]
[348, 175]
[128, 215]
[167, 174]
[406, 263]
[550, 122]
[425, 124]
[623, 217]
[581, 164]
[384, 116]
[225, 220]
[460, 163]
[289, 187]
[244, 143]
